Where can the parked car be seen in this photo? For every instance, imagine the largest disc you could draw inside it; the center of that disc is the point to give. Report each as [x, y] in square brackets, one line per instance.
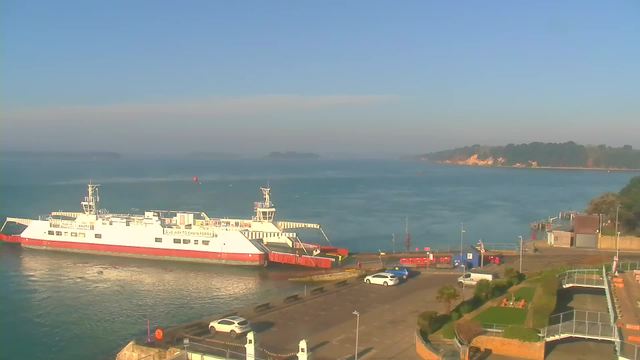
[383, 278]
[472, 278]
[400, 272]
[233, 325]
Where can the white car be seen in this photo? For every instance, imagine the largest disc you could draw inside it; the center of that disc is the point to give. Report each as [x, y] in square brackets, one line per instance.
[233, 325]
[384, 279]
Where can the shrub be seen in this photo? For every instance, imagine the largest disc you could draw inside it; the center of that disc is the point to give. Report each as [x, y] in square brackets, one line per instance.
[468, 330]
[513, 276]
[446, 295]
[426, 319]
[521, 333]
[456, 315]
[499, 287]
[466, 307]
[483, 290]
[448, 331]
[430, 322]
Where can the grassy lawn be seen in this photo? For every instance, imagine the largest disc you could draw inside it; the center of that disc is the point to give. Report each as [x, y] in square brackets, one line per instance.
[502, 316]
[525, 293]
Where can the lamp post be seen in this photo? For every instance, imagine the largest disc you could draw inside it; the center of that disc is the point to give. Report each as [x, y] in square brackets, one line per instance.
[617, 232]
[520, 254]
[462, 262]
[357, 314]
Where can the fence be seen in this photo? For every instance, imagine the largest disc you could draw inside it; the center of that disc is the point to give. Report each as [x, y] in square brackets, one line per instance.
[583, 277]
[629, 265]
[579, 323]
[494, 330]
[628, 351]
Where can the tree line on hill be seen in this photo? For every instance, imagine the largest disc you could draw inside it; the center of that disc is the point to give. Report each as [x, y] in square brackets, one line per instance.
[628, 200]
[568, 154]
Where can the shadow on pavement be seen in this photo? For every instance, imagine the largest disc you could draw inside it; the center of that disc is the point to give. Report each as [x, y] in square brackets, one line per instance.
[261, 326]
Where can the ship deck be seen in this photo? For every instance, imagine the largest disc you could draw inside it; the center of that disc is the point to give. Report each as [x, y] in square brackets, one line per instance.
[285, 249]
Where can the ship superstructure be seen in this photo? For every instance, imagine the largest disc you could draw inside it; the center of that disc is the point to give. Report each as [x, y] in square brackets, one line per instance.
[176, 235]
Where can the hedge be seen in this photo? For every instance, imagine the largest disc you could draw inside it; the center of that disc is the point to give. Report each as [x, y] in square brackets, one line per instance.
[430, 322]
[521, 333]
[545, 303]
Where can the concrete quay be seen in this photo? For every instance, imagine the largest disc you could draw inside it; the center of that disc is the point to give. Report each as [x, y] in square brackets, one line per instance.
[325, 319]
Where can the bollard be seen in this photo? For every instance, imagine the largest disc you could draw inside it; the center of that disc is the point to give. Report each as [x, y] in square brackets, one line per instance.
[251, 346]
[303, 350]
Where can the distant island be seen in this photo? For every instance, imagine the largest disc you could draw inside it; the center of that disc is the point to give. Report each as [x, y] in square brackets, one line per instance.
[292, 155]
[95, 155]
[567, 155]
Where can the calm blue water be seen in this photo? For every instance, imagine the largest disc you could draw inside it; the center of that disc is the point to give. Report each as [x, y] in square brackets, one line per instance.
[63, 306]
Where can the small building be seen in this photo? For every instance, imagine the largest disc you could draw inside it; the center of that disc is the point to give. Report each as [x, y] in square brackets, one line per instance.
[471, 258]
[586, 230]
[559, 238]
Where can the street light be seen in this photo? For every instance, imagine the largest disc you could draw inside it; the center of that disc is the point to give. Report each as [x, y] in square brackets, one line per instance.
[462, 262]
[520, 253]
[617, 232]
[357, 314]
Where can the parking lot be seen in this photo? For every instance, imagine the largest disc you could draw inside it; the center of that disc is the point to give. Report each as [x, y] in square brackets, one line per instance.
[387, 320]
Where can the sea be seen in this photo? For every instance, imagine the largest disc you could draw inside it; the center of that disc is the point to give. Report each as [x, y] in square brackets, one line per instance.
[75, 306]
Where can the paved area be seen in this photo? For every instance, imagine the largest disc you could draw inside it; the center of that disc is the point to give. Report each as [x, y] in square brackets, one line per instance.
[387, 320]
[579, 349]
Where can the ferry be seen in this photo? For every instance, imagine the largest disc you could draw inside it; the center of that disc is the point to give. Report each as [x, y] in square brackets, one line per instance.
[174, 235]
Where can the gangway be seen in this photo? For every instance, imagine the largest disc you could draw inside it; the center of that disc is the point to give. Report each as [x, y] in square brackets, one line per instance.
[591, 278]
[581, 324]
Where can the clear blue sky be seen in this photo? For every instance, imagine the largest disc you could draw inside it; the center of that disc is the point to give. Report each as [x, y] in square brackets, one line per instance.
[326, 76]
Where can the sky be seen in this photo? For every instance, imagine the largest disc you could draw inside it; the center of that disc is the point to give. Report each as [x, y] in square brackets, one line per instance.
[395, 77]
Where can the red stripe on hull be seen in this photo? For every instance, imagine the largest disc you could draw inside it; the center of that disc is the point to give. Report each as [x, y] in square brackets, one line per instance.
[170, 254]
[10, 238]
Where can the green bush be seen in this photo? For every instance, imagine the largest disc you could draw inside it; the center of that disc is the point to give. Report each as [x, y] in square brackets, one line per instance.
[499, 287]
[448, 331]
[426, 320]
[466, 307]
[483, 290]
[430, 322]
[456, 315]
[521, 333]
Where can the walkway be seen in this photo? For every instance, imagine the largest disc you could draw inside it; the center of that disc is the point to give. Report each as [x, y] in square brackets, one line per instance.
[581, 324]
[591, 278]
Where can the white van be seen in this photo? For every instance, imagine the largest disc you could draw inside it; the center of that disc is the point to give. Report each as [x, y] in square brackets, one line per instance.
[472, 278]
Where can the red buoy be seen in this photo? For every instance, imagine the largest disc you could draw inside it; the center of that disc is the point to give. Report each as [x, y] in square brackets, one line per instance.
[195, 179]
[159, 334]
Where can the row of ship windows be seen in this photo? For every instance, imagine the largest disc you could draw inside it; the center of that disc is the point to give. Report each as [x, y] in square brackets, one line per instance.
[73, 234]
[184, 241]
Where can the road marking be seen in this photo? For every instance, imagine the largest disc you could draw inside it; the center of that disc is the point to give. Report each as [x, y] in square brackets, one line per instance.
[335, 341]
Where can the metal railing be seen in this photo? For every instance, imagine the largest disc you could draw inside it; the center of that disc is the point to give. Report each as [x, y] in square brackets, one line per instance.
[495, 330]
[628, 351]
[629, 265]
[579, 323]
[583, 277]
[610, 301]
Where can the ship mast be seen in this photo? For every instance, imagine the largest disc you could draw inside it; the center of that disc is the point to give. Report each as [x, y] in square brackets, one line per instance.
[91, 203]
[265, 210]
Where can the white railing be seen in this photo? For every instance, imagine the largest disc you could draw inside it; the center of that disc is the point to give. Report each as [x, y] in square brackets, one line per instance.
[579, 323]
